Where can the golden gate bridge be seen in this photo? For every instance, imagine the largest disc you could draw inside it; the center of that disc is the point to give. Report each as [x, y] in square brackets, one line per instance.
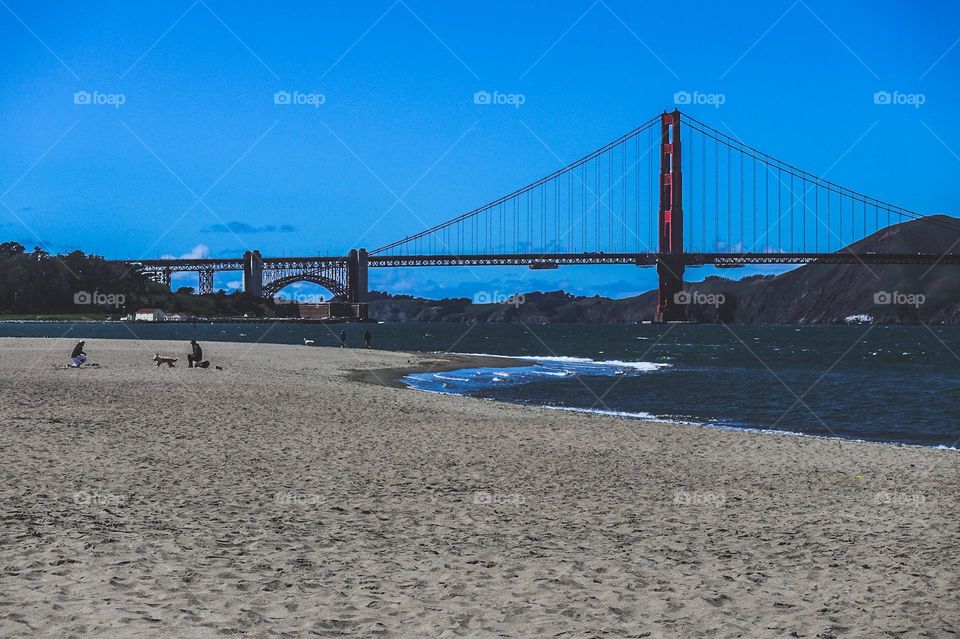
[672, 193]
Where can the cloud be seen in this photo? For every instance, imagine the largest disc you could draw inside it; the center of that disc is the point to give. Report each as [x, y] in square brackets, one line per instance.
[197, 252]
[242, 227]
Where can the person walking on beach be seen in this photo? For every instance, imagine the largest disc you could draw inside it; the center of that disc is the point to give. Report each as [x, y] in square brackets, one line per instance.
[367, 338]
[196, 356]
[78, 357]
[343, 338]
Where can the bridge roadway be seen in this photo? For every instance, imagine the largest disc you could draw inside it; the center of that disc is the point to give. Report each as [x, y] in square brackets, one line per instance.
[346, 276]
[307, 264]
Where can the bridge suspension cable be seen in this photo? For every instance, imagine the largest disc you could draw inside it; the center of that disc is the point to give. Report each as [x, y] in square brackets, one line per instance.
[736, 199]
[599, 203]
[770, 205]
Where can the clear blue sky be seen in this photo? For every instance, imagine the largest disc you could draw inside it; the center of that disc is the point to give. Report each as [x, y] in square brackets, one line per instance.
[198, 118]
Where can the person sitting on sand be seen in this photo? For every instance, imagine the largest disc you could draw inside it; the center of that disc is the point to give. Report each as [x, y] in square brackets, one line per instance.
[343, 339]
[196, 356]
[78, 357]
[367, 338]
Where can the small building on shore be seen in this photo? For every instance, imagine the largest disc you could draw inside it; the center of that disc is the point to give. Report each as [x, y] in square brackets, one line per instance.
[150, 315]
[333, 311]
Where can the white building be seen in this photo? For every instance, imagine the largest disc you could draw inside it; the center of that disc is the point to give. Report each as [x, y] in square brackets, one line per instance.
[150, 315]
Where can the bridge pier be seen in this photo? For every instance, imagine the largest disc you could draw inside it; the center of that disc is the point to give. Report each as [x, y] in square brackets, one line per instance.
[357, 276]
[670, 307]
[164, 277]
[205, 281]
[670, 260]
[253, 273]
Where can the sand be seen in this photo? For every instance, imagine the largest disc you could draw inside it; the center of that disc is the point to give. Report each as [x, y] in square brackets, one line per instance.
[285, 496]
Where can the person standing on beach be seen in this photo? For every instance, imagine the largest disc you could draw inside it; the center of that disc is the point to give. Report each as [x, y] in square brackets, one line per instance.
[343, 338]
[78, 357]
[367, 338]
[196, 356]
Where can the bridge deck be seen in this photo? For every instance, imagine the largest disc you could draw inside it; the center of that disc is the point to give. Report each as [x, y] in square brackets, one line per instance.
[555, 259]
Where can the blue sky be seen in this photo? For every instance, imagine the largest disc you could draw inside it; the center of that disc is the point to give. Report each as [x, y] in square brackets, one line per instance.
[187, 153]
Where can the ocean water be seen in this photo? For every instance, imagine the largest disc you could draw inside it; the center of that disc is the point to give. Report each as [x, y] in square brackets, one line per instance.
[879, 383]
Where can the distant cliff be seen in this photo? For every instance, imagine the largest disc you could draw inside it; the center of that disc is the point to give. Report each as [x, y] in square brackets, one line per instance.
[811, 294]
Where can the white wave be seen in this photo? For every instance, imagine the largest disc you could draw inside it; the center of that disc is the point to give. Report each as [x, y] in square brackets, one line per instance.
[451, 378]
[564, 359]
[640, 366]
[599, 411]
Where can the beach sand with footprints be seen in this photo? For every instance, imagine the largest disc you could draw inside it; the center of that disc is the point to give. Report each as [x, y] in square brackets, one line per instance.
[290, 495]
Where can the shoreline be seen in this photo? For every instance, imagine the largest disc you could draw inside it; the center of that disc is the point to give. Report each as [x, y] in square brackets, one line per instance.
[433, 363]
[452, 362]
[441, 362]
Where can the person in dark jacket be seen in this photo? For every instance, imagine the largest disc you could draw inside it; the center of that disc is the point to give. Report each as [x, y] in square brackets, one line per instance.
[78, 357]
[343, 339]
[367, 338]
[196, 356]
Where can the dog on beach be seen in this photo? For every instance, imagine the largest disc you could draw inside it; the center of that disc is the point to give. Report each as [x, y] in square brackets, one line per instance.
[163, 359]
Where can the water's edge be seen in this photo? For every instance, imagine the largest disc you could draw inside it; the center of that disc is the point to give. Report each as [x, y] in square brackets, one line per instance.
[451, 368]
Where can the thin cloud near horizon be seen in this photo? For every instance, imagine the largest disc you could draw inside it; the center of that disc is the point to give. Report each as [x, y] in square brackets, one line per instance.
[242, 227]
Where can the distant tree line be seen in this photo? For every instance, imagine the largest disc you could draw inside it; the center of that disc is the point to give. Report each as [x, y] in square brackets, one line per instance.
[37, 283]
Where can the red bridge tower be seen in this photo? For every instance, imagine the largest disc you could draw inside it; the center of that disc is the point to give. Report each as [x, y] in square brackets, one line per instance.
[670, 258]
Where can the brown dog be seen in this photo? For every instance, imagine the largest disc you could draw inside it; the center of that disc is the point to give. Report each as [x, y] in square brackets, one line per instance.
[161, 359]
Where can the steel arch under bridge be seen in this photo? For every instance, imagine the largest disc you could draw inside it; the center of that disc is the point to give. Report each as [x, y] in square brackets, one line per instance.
[331, 274]
[345, 276]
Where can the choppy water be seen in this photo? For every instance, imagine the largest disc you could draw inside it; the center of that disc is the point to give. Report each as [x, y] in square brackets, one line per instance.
[882, 383]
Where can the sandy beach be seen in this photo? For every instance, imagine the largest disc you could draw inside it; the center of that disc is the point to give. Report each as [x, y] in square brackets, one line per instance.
[291, 495]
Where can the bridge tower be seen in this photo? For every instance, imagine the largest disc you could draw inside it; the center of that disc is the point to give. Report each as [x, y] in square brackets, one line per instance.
[357, 276]
[670, 259]
[252, 273]
[205, 276]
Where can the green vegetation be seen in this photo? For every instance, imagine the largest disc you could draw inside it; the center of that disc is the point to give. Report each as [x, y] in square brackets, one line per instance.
[75, 286]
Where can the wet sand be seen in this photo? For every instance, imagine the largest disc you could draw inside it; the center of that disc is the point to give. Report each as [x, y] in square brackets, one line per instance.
[284, 496]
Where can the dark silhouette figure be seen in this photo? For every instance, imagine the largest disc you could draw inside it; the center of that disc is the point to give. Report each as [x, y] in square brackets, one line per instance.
[196, 356]
[78, 357]
[343, 339]
[367, 338]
